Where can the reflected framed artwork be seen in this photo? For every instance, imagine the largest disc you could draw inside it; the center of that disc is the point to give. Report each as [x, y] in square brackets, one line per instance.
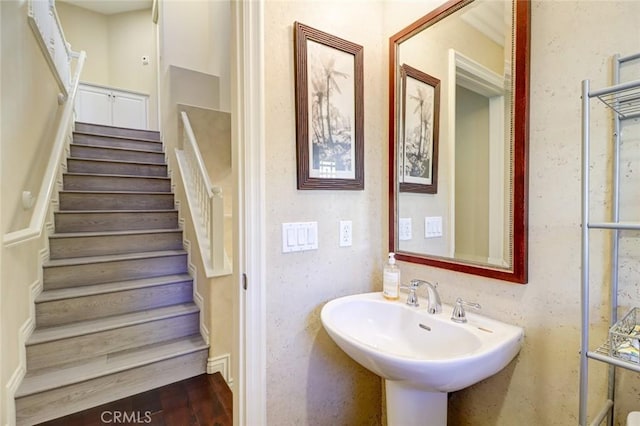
[419, 130]
[329, 110]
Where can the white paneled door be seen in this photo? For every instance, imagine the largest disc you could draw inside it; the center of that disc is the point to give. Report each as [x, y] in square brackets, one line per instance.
[112, 107]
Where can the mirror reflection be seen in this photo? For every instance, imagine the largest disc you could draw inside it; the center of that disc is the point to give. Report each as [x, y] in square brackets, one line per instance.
[470, 53]
[459, 138]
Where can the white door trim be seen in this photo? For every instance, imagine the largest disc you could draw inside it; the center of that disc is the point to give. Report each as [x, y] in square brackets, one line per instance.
[248, 159]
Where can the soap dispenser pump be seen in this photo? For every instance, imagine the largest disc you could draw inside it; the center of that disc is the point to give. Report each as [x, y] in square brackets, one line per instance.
[391, 279]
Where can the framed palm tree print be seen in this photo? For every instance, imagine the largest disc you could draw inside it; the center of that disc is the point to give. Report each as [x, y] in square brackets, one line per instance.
[329, 110]
[419, 129]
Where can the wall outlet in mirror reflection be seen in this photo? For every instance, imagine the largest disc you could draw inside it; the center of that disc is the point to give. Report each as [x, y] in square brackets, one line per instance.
[404, 229]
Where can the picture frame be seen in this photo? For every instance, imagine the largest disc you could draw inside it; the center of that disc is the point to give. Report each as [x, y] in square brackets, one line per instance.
[329, 110]
[419, 131]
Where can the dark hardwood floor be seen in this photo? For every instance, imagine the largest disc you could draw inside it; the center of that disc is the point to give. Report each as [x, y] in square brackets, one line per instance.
[198, 401]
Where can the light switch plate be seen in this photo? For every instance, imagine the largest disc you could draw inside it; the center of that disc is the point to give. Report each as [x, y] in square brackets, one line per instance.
[299, 236]
[433, 227]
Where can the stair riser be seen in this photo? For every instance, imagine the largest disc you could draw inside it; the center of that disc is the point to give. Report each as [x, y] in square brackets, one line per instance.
[105, 272]
[77, 348]
[121, 201]
[102, 305]
[114, 221]
[64, 248]
[81, 151]
[115, 183]
[117, 131]
[94, 140]
[70, 399]
[115, 168]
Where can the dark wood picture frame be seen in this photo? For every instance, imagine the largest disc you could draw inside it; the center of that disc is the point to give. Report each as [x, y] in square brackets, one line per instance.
[329, 110]
[423, 146]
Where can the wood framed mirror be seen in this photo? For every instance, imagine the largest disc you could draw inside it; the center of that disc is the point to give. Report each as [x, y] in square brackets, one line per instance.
[476, 221]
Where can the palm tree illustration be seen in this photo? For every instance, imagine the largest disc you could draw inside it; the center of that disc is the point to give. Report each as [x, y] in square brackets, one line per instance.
[330, 73]
[421, 109]
[319, 90]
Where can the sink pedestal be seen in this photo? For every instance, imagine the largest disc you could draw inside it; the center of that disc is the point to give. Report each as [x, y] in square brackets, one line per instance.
[409, 406]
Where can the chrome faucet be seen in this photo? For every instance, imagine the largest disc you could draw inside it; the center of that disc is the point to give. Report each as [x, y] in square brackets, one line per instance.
[434, 305]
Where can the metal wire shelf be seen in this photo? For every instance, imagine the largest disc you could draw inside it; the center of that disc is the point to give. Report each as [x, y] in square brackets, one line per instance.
[602, 354]
[624, 98]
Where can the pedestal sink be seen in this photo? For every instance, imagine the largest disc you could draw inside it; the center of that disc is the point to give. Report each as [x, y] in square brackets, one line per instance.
[421, 356]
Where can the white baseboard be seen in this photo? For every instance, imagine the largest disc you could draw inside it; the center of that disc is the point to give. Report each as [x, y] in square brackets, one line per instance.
[16, 378]
[221, 364]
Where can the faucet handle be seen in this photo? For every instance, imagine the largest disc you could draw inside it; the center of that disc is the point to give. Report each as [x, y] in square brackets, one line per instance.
[458, 314]
[412, 297]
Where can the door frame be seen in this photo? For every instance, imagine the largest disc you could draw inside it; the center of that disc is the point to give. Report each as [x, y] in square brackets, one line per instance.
[247, 107]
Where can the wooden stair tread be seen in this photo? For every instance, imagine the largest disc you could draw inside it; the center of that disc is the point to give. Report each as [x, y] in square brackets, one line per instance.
[112, 233]
[79, 328]
[112, 258]
[112, 287]
[51, 378]
[126, 138]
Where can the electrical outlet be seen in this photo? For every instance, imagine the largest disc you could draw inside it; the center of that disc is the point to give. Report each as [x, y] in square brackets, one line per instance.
[345, 233]
[404, 225]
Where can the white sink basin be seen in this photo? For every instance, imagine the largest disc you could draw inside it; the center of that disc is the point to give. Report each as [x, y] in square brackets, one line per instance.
[421, 356]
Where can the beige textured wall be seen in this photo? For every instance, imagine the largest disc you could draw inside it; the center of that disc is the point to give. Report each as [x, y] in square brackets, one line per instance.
[309, 379]
[541, 386]
[29, 115]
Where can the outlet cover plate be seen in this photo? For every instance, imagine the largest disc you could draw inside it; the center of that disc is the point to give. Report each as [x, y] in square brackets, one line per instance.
[346, 233]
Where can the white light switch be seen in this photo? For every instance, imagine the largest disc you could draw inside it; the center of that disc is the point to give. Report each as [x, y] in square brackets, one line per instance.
[299, 236]
[290, 235]
[433, 227]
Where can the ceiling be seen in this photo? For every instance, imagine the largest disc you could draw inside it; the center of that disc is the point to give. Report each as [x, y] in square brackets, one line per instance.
[110, 7]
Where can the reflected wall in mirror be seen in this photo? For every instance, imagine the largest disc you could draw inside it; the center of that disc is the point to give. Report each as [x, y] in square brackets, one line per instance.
[476, 51]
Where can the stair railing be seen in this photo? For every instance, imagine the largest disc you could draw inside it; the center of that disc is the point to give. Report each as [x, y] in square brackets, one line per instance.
[205, 202]
[62, 138]
[46, 27]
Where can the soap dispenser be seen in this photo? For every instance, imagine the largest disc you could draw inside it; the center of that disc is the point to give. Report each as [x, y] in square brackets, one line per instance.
[391, 279]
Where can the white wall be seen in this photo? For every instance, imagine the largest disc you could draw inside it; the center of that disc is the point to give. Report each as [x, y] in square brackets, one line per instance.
[204, 26]
[30, 113]
[88, 31]
[186, 77]
[115, 45]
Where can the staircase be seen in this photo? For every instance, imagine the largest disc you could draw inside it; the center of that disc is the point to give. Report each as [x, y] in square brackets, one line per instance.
[116, 316]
